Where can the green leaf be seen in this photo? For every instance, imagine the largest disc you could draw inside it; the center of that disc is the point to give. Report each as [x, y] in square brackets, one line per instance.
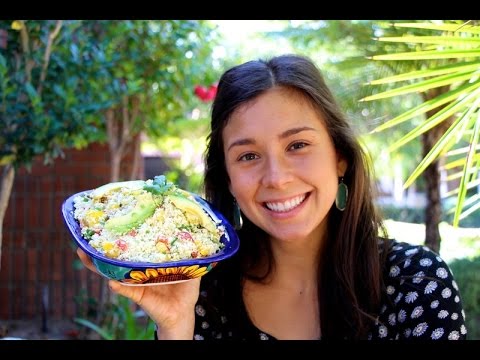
[159, 186]
[3, 65]
[442, 27]
[429, 105]
[32, 93]
[422, 86]
[464, 181]
[453, 164]
[441, 40]
[429, 72]
[60, 91]
[443, 144]
[473, 208]
[430, 55]
[104, 334]
[434, 120]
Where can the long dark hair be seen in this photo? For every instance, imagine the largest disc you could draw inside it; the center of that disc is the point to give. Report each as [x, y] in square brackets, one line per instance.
[351, 284]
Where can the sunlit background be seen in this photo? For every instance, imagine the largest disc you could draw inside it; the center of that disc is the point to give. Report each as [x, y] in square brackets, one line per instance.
[88, 102]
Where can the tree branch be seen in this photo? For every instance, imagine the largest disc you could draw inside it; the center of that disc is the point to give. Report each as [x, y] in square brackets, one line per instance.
[25, 42]
[6, 183]
[46, 57]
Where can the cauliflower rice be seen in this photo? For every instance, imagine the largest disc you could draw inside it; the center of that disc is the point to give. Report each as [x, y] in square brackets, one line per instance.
[170, 234]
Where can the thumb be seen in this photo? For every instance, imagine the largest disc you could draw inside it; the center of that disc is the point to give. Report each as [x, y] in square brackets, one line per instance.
[132, 292]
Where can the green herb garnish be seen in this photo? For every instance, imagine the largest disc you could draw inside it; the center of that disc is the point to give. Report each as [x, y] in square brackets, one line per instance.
[159, 186]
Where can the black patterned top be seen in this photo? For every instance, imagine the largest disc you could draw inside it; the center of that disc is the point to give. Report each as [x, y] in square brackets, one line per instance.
[422, 302]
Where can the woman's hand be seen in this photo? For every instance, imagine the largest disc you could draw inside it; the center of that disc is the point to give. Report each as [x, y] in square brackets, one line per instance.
[171, 307]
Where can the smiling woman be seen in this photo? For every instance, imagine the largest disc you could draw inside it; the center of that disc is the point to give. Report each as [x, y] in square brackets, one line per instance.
[272, 160]
[314, 260]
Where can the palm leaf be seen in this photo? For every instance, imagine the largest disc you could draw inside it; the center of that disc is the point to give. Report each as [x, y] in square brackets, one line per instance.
[475, 207]
[443, 144]
[465, 181]
[441, 70]
[429, 105]
[423, 86]
[429, 55]
[439, 40]
[442, 27]
[443, 61]
[469, 185]
[436, 119]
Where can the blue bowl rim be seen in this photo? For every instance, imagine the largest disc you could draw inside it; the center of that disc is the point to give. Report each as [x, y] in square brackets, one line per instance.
[229, 238]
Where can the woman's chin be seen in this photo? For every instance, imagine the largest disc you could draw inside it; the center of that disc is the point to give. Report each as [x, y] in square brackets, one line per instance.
[291, 237]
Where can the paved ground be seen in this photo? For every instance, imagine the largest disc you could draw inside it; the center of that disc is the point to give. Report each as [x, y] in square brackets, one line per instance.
[32, 330]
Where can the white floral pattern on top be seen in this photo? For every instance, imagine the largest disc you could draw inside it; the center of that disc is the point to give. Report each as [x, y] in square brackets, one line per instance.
[422, 302]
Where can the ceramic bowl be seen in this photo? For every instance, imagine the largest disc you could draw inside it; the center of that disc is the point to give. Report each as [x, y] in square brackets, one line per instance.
[145, 273]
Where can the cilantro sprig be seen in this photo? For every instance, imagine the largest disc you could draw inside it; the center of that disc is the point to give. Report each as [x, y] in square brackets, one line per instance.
[160, 186]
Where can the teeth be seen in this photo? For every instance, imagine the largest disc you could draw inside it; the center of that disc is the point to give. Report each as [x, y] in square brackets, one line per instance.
[287, 205]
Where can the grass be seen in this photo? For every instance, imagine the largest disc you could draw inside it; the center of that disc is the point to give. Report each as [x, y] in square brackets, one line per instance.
[456, 243]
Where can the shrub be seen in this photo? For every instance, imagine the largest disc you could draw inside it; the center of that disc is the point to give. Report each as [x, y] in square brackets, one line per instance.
[467, 275]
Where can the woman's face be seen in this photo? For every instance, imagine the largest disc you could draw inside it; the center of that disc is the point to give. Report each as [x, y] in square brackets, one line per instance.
[282, 165]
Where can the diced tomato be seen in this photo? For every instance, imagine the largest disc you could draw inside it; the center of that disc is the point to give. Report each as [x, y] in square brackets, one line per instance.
[132, 232]
[185, 235]
[121, 244]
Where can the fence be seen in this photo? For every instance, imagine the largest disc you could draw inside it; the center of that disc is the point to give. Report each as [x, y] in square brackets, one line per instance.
[37, 277]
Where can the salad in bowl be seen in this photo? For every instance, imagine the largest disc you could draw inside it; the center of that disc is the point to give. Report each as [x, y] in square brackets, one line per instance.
[148, 232]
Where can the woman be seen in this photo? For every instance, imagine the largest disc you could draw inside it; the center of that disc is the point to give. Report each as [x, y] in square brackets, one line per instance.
[314, 261]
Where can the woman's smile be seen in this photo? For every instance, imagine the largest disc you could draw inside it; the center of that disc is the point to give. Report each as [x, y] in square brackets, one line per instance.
[287, 207]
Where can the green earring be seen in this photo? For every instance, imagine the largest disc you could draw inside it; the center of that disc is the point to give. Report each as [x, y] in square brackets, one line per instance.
[342, 195]
[237, 216]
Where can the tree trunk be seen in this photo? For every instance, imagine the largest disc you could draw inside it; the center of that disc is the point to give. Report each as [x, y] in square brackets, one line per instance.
[433, 209]
[136, 158]
[120, 130]
[6, 183]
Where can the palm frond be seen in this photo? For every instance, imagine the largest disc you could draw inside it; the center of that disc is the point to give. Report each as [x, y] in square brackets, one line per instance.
[446, 64]
[441, 27]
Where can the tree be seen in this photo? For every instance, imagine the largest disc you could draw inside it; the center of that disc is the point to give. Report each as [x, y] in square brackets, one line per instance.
[447, 56]
[69, 83]
[152, 67]
[42, 98]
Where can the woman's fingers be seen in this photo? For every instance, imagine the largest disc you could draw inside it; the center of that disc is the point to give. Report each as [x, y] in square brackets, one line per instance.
[135, 293]
[86, 261]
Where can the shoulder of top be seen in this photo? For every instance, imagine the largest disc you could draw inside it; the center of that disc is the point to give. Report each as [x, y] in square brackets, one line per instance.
[404, 260]
[400, 252]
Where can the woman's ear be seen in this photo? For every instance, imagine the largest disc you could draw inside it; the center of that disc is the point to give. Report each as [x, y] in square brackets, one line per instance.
[341, 166]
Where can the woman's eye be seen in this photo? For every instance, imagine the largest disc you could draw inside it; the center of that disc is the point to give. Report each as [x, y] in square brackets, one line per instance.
[247, 157]
[298, 145]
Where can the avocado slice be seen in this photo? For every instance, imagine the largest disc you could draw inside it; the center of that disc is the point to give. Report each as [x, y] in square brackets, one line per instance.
[102, 190]
[193, 209]
[144, 208]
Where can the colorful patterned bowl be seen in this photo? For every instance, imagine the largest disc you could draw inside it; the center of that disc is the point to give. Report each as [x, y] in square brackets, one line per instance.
[137, 273]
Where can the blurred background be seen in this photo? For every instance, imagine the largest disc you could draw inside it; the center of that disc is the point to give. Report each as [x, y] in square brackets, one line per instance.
[83, 103]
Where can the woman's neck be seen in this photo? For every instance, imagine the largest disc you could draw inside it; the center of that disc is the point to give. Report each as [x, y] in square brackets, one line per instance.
[296, 261]
[285, 305]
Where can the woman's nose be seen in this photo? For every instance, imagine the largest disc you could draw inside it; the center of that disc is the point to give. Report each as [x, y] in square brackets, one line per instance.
[276, 173]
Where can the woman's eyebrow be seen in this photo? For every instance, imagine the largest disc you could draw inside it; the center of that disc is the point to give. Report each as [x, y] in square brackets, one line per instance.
[294, 131]
[239, 142]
